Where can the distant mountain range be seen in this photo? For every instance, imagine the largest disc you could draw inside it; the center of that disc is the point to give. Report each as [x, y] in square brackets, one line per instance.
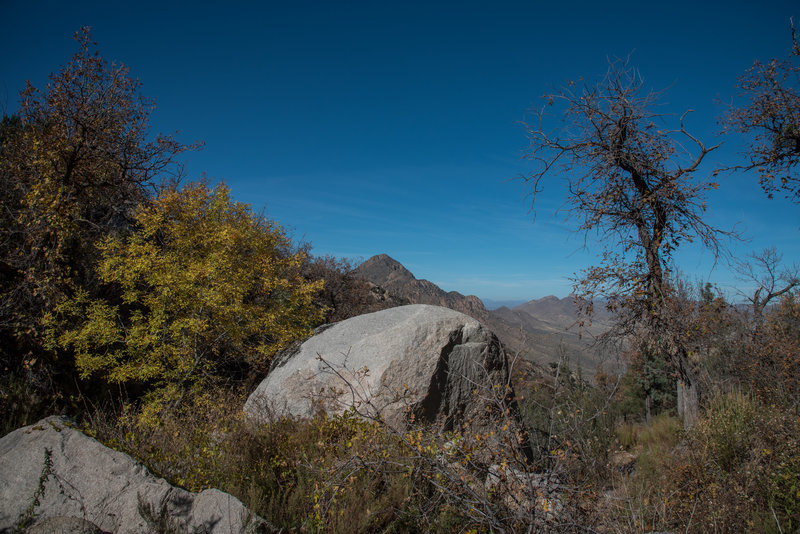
[541, 330]
[492, 304]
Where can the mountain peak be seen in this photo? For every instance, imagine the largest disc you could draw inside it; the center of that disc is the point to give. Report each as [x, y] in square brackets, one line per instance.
[384, 271]
[382, 258]
[382, 268]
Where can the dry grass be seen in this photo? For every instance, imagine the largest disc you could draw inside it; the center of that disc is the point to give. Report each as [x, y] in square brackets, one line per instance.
[337, 474]
[737, 470]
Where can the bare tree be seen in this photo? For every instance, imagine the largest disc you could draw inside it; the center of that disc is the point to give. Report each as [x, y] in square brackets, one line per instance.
[770, 278]
[632, 183]
[772, 118]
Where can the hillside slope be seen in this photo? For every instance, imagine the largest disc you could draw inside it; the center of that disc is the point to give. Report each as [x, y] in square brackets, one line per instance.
[542, 330]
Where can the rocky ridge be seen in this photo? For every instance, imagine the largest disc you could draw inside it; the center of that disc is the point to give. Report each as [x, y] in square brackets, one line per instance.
[398, 281]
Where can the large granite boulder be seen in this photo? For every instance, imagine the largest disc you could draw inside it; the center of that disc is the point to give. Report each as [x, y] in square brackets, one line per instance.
[417, 363]
[58, 479]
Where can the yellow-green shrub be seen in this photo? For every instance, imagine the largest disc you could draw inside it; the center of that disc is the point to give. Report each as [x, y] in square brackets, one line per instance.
[201, 290]
[75, 158]
[744, 466]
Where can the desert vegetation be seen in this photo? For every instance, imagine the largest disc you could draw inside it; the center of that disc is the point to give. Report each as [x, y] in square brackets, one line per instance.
[147, 307]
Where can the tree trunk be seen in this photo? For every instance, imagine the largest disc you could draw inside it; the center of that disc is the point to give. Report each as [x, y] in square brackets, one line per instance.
[688, 401]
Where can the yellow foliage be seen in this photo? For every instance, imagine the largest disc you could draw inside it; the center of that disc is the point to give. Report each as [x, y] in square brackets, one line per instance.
[204, 288]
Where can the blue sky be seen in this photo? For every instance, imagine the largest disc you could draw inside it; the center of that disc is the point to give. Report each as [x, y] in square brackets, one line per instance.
[394, 127]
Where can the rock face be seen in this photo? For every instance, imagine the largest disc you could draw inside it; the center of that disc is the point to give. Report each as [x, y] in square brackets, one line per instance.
[83, 486]
[419, 362]
[64, 525]
[398, 281]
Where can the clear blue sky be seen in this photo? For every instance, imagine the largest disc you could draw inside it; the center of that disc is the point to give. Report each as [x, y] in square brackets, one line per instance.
[394, 126]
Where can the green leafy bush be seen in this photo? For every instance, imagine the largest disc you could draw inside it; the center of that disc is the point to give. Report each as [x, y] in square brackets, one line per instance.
[571, 425]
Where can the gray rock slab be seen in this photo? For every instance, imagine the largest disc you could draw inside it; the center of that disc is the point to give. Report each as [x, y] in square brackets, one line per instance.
[107, 490]
[64, 525]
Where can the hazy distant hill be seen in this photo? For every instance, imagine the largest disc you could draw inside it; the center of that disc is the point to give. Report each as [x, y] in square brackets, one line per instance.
[539, 330]
[492, 304]
[562, 313]
[545, 329]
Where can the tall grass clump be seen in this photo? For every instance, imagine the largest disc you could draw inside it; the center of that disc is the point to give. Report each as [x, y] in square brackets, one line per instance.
[737, 470]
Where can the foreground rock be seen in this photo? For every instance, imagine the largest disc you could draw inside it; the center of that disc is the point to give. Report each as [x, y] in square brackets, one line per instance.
[60, 480]
[416, 363]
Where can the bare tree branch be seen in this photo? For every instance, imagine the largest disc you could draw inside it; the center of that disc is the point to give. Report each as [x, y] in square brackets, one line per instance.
[764, 269]
[771, 118]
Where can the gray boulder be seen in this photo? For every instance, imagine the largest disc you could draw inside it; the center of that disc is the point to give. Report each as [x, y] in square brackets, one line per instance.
[51, 472]
[417, 363]
[63, 525]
